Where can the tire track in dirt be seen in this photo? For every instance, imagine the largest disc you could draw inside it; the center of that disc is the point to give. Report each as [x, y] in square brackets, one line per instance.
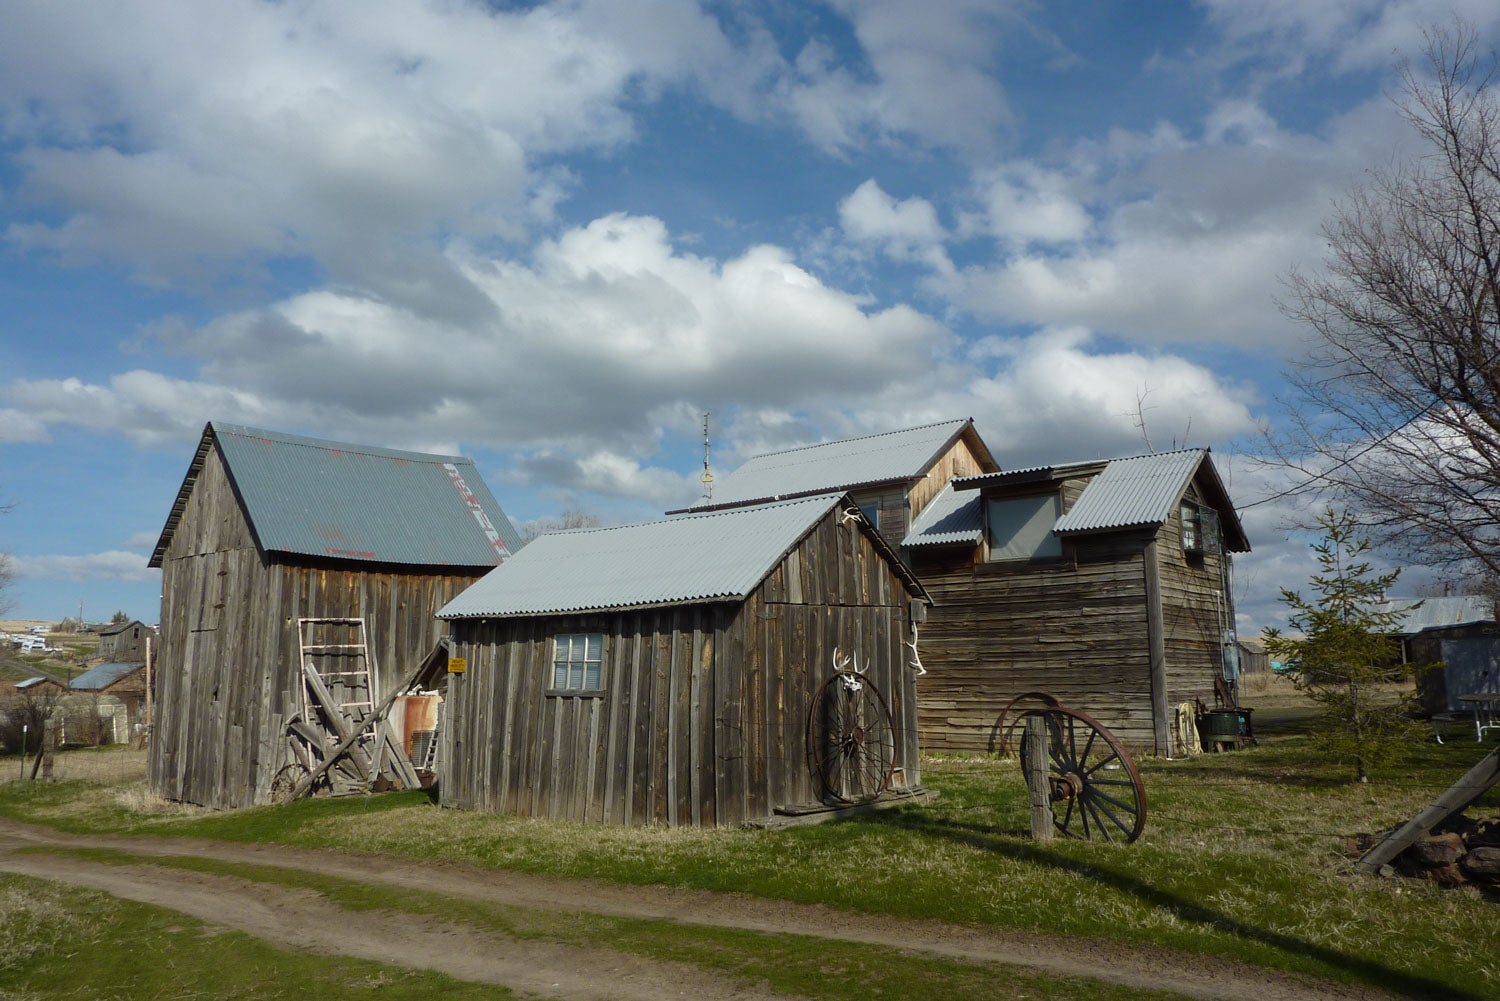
[547, 965]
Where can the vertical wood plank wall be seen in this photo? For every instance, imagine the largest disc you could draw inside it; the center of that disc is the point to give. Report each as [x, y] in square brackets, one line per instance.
[1077, 629]
[227, 674]
[703, 713]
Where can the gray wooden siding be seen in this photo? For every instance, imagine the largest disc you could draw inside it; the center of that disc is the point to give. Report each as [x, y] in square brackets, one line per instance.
[227, 675]
[703, 716]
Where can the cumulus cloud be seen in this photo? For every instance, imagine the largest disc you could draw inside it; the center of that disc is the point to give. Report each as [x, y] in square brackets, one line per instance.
[175, 137]
[1164, 236]
[1343, 35]
[114, 565]
[605, 326]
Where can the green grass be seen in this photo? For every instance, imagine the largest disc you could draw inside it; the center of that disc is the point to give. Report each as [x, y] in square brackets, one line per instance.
[1242, 858]
[58, 943]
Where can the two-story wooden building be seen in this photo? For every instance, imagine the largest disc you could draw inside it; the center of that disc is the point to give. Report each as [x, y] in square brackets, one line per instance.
[1104, 583]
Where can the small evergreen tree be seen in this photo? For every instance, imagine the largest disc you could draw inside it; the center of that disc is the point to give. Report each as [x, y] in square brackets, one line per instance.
[118, 617]
[1347, 658]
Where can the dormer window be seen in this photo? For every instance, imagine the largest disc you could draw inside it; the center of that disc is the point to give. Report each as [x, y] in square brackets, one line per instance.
[1020, 528]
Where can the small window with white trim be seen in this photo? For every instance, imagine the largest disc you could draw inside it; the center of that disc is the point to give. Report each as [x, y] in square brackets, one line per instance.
[578, 662]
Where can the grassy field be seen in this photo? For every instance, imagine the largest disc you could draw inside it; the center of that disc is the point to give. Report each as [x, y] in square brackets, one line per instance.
[1243, 856]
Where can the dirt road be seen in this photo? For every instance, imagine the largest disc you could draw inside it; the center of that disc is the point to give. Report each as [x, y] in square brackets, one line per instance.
[302, 919]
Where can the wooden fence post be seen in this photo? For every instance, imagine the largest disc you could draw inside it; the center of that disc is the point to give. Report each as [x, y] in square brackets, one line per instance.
[1034, 748]
[49, 747]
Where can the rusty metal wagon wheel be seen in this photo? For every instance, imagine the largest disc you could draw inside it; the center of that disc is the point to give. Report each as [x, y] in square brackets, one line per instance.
[851, 746]
[1096, 791]
[284, 782]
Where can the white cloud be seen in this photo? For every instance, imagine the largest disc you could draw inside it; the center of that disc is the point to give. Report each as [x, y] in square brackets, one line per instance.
[1162, 237]
[1344, 35]
[588, 342]
[1026, 204]
[173, 137]
[17, 426]
[113, 565]
[906, 230]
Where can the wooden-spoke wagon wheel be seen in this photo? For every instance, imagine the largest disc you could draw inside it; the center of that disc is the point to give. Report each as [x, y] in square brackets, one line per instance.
[284, 782]
[851, 747]
[1096, 790]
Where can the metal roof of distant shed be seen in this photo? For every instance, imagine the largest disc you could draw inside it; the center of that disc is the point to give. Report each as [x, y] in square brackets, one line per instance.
[837, 465]
[1418, 614]
[697, 557]
[102, 676]
[329, 499]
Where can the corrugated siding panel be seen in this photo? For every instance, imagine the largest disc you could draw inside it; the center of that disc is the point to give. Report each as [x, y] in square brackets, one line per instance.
[692, 557]
[356, 502]
[1138, 491]
[836, 465]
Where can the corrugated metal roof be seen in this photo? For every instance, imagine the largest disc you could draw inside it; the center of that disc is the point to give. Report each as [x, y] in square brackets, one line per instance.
[311, 497]
[102, 676]
[704, 556]
[836, 465]
[1433, 613]
[1143, 490]
[1025, 474]
[950, 517]
[39, 680]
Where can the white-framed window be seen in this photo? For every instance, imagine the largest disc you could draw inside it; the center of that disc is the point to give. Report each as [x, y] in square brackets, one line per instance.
[578, 662]
[1192, 527]
[1020, 528]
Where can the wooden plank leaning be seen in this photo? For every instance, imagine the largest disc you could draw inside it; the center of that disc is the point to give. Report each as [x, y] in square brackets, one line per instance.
[1475, 783]
[426, 664]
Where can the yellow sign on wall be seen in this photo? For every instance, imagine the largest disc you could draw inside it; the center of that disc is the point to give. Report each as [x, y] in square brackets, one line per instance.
[457, 665]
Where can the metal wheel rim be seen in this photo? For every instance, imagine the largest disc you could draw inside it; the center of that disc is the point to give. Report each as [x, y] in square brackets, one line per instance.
[851, 746]
[1097, 792]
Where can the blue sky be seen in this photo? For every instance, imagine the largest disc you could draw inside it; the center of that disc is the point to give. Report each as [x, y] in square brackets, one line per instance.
[550, 236]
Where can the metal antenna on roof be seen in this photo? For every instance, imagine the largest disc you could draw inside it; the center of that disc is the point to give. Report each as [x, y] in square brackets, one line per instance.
[708, 476]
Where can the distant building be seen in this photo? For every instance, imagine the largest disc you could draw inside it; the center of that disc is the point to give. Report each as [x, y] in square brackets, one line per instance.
[125, 642]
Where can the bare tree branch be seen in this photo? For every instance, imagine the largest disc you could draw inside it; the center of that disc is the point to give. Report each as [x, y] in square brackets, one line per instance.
[1397, 409]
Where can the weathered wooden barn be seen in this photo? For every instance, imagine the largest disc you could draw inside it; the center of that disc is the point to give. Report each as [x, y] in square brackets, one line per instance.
[272, 536]
[1104, 583]
[664, 673]
[891, 476]
[125, 642]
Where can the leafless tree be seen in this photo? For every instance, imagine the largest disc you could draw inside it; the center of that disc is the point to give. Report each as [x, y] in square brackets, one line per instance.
[1397, 411]
[568, 519]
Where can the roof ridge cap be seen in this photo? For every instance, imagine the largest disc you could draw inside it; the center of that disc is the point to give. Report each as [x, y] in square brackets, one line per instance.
[860, 437]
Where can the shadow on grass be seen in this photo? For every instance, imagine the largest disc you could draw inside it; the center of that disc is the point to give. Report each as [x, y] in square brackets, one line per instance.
[1003, 841]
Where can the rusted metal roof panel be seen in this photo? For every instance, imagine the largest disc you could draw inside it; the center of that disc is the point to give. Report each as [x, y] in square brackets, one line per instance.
[310, 497]
[836, 465]
[952, 517]
[1139, 491]
[694, 557]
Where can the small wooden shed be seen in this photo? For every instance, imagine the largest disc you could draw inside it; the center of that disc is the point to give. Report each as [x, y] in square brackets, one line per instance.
[270, 535]
[125, 642]
[1104, 583]
[663, 673]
